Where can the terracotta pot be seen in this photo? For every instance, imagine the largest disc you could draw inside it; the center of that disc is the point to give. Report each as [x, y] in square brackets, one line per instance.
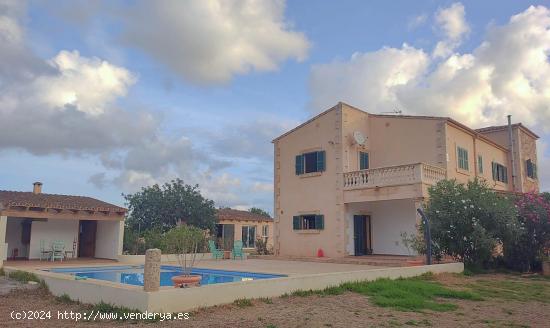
[186, 281]
[546, 268]
[227, 255]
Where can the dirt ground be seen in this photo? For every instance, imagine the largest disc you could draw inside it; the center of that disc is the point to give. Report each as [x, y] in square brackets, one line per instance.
[346, 310]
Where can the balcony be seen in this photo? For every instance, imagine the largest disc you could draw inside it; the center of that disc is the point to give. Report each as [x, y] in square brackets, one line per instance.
[395, 180]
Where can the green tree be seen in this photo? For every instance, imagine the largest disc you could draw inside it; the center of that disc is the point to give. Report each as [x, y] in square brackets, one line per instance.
[469, 221]
[163, 207]
[259, 211]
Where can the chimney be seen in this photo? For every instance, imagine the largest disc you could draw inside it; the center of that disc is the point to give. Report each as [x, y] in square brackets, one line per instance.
[37, 188]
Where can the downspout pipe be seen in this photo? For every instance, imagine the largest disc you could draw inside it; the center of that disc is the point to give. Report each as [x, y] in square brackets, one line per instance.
[511, 147]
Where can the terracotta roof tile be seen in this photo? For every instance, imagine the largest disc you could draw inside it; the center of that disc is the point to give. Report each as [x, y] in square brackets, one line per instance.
[68, 202]
[228, 214]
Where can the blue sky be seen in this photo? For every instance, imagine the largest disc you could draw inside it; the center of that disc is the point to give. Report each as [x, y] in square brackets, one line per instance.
[150, 91]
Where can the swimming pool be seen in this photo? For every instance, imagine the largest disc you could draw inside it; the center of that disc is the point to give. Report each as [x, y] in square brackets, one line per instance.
[133, 275]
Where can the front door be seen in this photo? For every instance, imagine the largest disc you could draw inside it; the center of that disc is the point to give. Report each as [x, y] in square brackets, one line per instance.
[361, 234]
[86, 238]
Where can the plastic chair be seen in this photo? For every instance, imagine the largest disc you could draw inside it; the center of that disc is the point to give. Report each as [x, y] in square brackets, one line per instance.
[238, 249]
[58, 250]
[44, 253]
[216, 253]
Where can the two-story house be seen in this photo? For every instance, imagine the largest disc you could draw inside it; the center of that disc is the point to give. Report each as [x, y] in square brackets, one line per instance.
[349, 182]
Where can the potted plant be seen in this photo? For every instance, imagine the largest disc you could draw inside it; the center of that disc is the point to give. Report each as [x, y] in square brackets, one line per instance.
[186, 242]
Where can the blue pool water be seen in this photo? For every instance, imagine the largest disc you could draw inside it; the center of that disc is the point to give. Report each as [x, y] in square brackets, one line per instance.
[133, 275]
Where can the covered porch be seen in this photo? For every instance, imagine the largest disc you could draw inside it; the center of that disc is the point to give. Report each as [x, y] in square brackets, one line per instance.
[36, 226]
[376, 227]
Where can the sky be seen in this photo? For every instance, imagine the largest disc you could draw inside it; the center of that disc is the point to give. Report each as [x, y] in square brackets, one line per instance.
[102, 98]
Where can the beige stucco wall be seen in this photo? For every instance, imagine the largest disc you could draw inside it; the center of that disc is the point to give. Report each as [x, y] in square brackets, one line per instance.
[240, 223]
[457, 137]
[524, 148]
[315, 193]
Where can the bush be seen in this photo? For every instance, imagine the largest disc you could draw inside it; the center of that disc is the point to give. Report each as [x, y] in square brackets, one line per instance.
[262, 247]
[469, 221]
[527, 249]
[23, 276]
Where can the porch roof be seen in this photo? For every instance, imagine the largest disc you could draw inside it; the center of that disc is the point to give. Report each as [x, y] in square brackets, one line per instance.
[229, 214]
[41, 205]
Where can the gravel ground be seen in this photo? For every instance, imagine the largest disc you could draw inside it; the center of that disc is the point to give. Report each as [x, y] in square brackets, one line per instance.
[346, 310]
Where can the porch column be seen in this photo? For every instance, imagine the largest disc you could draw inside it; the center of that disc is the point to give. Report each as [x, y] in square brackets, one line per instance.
[3, 245]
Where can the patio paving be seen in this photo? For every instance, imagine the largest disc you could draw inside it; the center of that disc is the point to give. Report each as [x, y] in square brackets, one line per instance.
[287, 267]
[7, 285]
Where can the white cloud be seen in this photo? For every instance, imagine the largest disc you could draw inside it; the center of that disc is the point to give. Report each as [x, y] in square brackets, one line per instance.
[367, 79]
[452, 23]
[508, 73]
[211, 41]
[417, 21]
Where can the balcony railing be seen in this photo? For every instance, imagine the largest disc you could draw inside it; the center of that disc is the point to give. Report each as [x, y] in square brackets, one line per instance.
[394, 176]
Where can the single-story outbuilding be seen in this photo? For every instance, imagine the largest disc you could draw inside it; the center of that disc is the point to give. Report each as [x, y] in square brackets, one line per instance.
[30, 222]
[243, 225]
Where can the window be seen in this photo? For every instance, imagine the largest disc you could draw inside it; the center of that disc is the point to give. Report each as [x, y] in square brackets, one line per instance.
[462, 155]
[500, 172]
[265, 231]
[310, 162]
[249, 236]
[480, 163]
[531, 169]
[363, 160]
[308, 222]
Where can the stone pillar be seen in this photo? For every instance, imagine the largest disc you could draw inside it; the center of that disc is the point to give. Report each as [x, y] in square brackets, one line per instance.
[546, 268]
[3, 245]
[151, 271]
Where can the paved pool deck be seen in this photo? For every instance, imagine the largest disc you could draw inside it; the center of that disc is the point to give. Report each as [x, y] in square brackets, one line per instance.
[289, 268]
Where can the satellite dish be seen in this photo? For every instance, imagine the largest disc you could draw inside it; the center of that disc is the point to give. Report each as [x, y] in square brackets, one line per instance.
[359, 138]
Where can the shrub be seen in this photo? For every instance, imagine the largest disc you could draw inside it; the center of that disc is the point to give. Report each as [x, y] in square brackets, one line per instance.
[526, 249]
[469, 221]
[261, 246]
[23, 276]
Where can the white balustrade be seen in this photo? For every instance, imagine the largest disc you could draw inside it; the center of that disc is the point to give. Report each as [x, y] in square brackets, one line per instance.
[393, 176]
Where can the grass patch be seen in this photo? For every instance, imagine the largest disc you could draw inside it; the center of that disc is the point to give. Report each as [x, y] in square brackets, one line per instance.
[266, 300]
[2, 272]
[413, 294]
[519, 289]
[65, 299]
[23, 276]
[243, 302]
[337, 290]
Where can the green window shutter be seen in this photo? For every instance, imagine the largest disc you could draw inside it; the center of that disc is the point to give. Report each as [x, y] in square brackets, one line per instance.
[363, 161]
[535, 171]
[296, 223]
[321, 161]
[494, 167]
[299, 164]
[319, 222]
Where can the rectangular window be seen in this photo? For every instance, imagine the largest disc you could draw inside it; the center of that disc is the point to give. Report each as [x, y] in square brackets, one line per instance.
[500, 172]
[265, 231]
[462, 155]
[363, 160]
[308, 222]
[249, 236]
[310, 162]
[531, 169]
[480, 163]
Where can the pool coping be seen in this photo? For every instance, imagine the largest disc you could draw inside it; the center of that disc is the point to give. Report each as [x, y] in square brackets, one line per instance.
[169, 299]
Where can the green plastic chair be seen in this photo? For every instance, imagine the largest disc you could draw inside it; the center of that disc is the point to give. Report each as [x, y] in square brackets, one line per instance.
[44, 253]
[58, 250]
[238, 249]
[216, 253]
